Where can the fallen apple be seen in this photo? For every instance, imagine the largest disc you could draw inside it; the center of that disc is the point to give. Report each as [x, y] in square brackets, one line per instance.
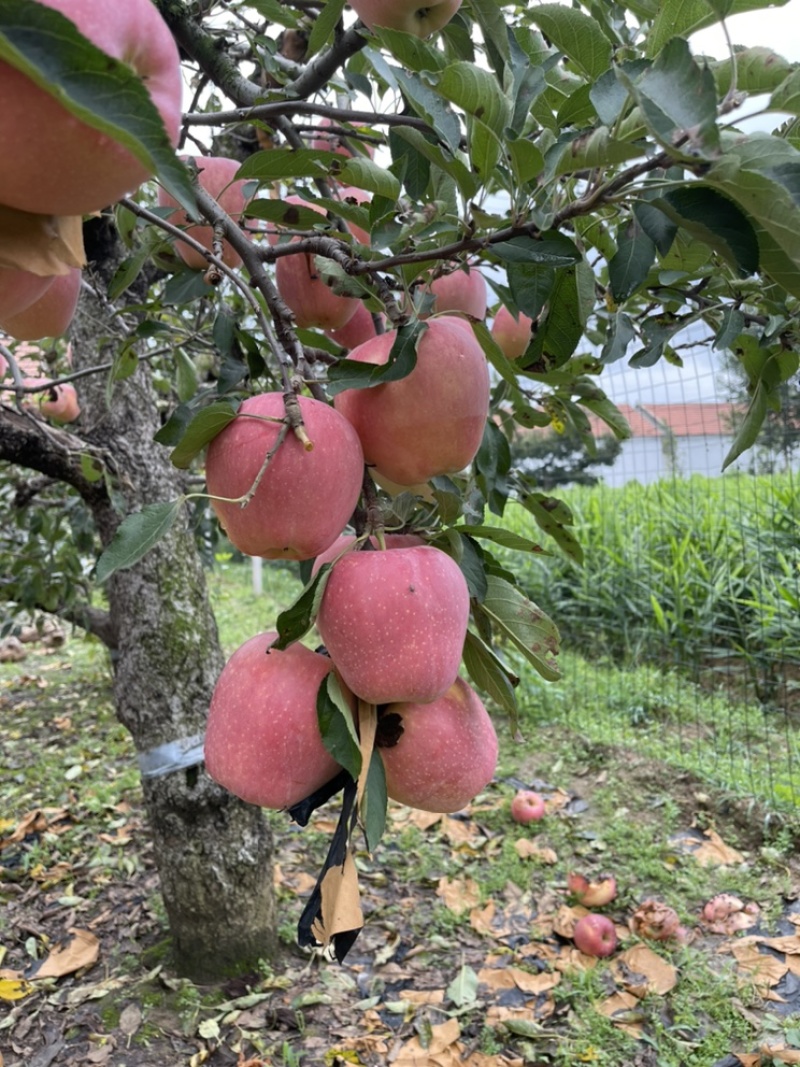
[594, 894]
[595, 935]
[527, 806]
[444, 752]
[656, 921]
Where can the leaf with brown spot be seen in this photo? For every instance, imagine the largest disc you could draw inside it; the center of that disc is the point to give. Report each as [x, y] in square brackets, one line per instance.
[623, 1011]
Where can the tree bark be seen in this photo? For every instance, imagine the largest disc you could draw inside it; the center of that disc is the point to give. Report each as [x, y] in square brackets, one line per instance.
[214, 853]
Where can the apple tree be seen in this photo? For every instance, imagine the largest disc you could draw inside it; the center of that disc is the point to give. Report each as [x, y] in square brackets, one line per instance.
[289, 331]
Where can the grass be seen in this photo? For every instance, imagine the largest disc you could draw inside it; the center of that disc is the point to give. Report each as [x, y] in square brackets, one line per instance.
[644, 754]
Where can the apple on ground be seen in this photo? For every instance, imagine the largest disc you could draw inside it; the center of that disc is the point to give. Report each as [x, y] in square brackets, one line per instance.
[513, 335]
[463, 290]
[595, 935]
[595, 894]
[304, 498]
[430, 422]
[51, 314]
[61, 166]
[409, 15]
[656, 921]
[394, 623]
[527, 806]
[216, 176]
[262, 740]
[310, 300]
[446, 753]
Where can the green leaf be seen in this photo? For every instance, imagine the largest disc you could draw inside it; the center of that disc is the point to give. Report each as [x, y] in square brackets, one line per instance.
[608, 411]
[489, 16]
[560, 330]
[463, 990]
[414, 54]
[352, 374]
[750, 425]
[620, 334]
[364, 173]
[430, 106]
[491, 676]
[337, 725]
[551, 249]
[678, 97]
[296, 620]
[91, 467]
[758, 70]
[761, 174]
[375, 801]
[731, 326]
[716, 220]
[554, 517]
[276, 164]
[475, 91]
[136, 535]
[659, 227]
[631, 264]
[467, 182]
[102, 92]
[203, 428]
[292, 216]
[524, 624]
[575, 34]
[527, 162]
[323, 25]
[503, 537]
[680, 18]
[787, 96]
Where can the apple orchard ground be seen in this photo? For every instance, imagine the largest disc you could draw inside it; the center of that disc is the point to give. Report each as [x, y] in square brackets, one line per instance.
[464, 946]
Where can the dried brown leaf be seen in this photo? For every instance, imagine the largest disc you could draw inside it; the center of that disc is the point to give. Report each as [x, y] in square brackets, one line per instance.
[80, 951]
[340, 905]
[459, 894]
[41, 244]
[528, 850]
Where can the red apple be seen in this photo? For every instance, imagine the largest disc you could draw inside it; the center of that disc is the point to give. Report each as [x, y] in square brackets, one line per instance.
[304, 498]
[346, 540]
[61, 166]
[262, 739]
[446, 753]
[51, 314]
[527, 806]
[461, 291]
[430, 422]
[19, 289]
[359, 330]
[310, 300]
[594, 894]
[594, 935]
[513, 335]
[394, 623]
[59, 402]
[215, 175]
[409, 15]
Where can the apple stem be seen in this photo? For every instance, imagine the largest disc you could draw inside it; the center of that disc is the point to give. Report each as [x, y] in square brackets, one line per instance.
[294, 418]
[373, 517]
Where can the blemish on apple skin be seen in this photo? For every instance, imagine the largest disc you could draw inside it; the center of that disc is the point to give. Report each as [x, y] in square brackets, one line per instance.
[412, 589]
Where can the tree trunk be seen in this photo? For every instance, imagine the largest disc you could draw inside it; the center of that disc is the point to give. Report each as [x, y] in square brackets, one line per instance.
[214, 853]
